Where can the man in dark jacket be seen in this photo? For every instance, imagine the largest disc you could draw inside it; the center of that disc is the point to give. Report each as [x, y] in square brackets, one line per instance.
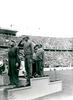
[28, 53]
[40, 60]
[14, 64]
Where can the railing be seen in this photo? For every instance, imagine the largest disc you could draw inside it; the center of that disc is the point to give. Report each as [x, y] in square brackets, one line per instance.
[58, 50]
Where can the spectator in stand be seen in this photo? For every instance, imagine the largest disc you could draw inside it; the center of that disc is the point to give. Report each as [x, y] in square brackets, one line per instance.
[2, 66]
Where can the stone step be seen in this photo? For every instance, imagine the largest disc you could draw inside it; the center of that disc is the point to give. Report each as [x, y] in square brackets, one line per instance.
[3, 92]
[4, 79]
[39, 87]
[40, 80]
[35, 81]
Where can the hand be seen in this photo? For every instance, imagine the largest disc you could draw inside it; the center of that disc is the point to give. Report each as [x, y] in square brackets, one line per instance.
[30, 60]
[17, 64]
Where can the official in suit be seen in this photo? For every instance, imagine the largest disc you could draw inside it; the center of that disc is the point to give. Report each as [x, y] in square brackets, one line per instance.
[14, 64]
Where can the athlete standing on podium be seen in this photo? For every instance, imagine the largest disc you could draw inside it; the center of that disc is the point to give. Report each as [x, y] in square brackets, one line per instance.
[28, 53]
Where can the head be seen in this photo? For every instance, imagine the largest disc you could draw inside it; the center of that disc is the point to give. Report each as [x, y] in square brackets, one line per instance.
[40, 45]
[26, 38]
[36, 48]
[12, 43]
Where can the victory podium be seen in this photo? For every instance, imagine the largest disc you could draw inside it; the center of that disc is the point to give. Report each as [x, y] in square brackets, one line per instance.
[4, 79]
[39, 87]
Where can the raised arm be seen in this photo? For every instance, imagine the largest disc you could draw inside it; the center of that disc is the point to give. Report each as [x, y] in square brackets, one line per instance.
[21, 44]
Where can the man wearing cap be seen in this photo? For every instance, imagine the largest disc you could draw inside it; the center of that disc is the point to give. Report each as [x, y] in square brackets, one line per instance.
[28, 52]
[13, 60]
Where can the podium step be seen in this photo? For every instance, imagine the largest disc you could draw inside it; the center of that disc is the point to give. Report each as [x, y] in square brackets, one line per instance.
[39, 87]
[35, 81]
[4, 79]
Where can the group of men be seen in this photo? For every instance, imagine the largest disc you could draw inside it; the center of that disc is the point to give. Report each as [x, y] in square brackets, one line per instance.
[33, 59]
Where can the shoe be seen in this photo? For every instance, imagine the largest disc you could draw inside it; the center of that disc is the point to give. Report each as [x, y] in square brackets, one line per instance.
[19, 86]
[27, 85]
[36, 75]
[31, 76]
[10, 84]
[16, 87]
[22, 86]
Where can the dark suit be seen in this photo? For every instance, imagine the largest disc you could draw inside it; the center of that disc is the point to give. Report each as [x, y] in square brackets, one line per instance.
[13, 69]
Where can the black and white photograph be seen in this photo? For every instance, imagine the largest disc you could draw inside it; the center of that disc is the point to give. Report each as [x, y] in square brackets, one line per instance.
[36, 49]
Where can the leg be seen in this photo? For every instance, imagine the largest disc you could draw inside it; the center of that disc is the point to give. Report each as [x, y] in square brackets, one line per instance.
[27, 71]
[41, 68]
[11, 81]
